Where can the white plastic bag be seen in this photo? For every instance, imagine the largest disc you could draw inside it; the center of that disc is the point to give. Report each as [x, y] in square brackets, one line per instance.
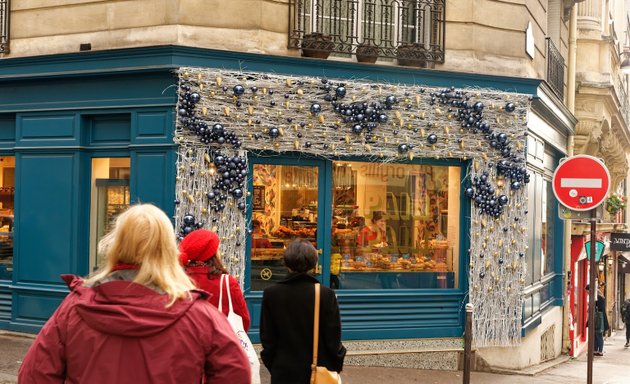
[236, 322]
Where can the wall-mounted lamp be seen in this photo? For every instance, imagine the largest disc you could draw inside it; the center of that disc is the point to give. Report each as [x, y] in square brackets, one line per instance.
[600, 266]
[610, 260]
[625, 63]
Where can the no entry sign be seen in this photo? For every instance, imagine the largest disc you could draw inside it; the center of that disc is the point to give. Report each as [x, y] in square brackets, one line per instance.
[581, 182]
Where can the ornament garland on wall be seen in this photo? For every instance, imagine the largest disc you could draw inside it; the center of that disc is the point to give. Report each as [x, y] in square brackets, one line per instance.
[222, 116]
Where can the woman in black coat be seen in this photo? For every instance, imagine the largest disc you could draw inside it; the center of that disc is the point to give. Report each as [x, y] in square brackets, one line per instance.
[286, 325]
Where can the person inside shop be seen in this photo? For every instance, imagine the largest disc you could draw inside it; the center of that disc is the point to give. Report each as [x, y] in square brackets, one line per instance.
[286, 321]
[601, 321]
[259, 238]
[138, 319]
[199, 254]
[373, 235]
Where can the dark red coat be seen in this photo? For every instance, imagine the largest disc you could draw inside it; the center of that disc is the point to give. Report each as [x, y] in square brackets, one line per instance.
[212, 284]
[120, 332]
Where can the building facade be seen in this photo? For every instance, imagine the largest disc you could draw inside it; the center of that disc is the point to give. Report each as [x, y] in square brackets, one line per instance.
[96, 114]
[601, 106]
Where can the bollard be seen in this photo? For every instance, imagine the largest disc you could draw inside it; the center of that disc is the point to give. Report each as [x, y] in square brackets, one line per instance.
[468, 342]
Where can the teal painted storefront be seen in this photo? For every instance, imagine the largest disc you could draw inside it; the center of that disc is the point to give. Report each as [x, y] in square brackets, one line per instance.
[59, 112]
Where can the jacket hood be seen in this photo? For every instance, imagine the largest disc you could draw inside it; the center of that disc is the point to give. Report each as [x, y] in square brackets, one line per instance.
[124, 308]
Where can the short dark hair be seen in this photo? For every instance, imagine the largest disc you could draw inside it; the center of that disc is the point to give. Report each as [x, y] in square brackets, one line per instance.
[300, 256]
[377, 215]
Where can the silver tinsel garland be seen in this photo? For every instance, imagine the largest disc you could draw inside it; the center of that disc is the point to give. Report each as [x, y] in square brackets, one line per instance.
[271, 114]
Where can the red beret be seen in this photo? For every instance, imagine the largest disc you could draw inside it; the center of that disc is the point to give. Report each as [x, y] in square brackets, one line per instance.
[200, 245]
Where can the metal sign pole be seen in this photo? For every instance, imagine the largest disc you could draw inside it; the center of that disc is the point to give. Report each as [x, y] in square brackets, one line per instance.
[591, 299]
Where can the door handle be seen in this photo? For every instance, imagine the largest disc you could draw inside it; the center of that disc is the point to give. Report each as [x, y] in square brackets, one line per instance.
[318, 269]
[320, 251]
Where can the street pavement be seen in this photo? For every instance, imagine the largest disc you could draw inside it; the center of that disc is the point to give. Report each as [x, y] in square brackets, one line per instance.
[612, 368]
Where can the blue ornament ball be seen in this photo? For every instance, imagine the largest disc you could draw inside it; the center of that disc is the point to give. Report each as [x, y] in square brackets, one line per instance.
[238, 90]
[274, 132]
[340, 91]
[189, 219]
[510, 107]
[432, 139]
[316, 108]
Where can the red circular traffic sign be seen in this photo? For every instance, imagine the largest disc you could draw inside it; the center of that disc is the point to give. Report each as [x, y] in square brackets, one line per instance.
[581, 182]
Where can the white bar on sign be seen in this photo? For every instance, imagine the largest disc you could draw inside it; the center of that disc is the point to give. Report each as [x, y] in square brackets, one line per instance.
[580, 183]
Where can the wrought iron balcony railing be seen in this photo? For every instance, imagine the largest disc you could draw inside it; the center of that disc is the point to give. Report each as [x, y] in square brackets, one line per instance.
[409, 30]
[4, 26]
[555, 69]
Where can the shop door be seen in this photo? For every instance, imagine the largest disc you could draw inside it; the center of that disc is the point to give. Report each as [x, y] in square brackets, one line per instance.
[288, 201]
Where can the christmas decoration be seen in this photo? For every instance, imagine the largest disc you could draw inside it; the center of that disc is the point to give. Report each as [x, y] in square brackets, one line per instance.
[225, 116]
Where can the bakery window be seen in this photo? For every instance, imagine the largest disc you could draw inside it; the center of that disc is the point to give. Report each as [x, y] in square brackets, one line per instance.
[109, 197]
[7, 195]
[284, 207]
[395, 226]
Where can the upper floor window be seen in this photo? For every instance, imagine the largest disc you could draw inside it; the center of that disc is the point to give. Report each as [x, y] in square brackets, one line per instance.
[409, 30]
[4, 26]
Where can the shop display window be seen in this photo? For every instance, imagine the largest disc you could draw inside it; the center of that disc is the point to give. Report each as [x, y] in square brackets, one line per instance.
[7, 197]
[110, 196]
[395, 226]
[284, 207]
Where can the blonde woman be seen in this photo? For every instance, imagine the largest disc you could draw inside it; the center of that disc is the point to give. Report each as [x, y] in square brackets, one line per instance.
[137, 320]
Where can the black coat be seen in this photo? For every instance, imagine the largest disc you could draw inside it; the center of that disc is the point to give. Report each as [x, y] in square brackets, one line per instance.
[286, 330]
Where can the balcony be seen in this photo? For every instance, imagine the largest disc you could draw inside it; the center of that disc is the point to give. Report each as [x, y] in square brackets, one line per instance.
[555, 69]
[411, 31]
[4, 26]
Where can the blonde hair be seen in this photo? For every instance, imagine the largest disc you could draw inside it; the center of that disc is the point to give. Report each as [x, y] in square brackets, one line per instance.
[144, 235]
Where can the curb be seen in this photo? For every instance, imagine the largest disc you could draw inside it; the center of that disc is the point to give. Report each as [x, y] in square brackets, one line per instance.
[534, 370]
[18, 334]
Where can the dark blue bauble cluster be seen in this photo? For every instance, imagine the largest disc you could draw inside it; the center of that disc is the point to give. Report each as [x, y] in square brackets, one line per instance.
[186, 103]
[229, 182]
[189, 120]
[515, 171]
[363, 117]
[484, 196]
[216, 134]
[470, 115]
[188, 225]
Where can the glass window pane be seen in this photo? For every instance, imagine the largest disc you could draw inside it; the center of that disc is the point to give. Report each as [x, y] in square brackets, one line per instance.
[109, 197]
[549, 217]
[7, 196]
[395, 226]
[284, 207]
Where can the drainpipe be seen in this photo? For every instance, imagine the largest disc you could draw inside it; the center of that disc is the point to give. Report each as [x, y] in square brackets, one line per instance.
[571, 89]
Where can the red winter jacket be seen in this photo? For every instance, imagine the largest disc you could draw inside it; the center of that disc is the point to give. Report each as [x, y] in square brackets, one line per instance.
[121, 332]
[212, 285]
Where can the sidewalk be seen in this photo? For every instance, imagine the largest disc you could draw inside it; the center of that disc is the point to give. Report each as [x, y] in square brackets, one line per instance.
[612, 368]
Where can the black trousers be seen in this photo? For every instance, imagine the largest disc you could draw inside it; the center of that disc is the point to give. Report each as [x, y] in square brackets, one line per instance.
[627, 332]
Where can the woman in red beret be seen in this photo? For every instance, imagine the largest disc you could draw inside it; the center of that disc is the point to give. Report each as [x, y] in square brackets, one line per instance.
[200, 257]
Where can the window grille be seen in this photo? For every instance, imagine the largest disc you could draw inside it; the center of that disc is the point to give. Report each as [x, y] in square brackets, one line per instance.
[555, 69]
[389, 27]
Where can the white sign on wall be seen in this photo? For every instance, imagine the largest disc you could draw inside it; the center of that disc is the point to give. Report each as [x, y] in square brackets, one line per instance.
[529, 41]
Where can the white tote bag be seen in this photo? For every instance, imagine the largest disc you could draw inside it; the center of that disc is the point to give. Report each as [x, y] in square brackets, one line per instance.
[236, 322]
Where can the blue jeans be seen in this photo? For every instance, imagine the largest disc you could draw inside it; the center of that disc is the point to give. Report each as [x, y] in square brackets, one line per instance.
[599, 342]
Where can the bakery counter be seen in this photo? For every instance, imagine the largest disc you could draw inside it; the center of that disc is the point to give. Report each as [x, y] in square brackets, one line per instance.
[395, 279]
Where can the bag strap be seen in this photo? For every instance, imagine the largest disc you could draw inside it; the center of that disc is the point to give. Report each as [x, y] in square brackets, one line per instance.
[315, 327]
[225, 278]
[221, 294]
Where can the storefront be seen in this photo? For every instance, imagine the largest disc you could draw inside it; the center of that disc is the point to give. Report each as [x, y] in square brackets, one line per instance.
[413, 213]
